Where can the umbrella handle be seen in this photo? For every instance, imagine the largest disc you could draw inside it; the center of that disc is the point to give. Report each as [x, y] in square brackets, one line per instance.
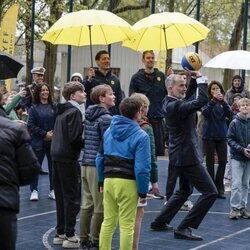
[91, 52]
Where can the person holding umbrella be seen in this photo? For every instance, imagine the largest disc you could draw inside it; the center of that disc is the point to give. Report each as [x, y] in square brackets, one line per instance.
[151, 82]
[103, 75]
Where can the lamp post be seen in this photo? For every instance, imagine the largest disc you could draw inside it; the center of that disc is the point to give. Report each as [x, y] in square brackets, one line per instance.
[32, 36]
[244, 45]
[198, 8]
[69, 47]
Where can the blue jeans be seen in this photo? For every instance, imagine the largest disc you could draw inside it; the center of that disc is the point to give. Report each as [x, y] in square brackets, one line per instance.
[240, 183]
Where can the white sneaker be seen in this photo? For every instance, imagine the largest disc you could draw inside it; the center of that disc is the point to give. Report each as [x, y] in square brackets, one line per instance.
[71, 242]
[34, 196]
[187, 206]
[58, 239]
[51, 195]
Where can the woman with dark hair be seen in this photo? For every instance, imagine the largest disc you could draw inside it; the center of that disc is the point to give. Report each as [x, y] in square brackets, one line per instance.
[214, 135]
[41, 122]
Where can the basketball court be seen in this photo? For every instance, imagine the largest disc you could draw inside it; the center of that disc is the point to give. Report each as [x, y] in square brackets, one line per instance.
[36, 222]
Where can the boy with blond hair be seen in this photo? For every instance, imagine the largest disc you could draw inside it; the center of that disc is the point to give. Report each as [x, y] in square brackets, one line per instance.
[239, 142]
[97, 120]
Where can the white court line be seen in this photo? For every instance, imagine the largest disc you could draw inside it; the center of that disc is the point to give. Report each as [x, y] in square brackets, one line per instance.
[36, 215]
[45, 239]
[221, 239]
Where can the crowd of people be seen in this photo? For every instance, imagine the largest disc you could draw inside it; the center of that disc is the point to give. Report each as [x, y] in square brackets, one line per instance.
[120, 138]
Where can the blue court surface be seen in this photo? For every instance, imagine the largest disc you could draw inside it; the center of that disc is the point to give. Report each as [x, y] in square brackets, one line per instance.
[36, 222]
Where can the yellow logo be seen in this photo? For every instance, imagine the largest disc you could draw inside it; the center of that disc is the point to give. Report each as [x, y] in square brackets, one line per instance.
[158, 78]
[112, 82]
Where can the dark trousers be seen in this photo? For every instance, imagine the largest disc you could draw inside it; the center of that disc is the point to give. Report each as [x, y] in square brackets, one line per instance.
[159, 134]
[191, 176]
[40, 154]
[171, 181]
[8, 230]
[67, 186]
[220, 147]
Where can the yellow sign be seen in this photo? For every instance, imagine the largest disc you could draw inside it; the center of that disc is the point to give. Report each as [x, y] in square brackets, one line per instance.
[8, 33]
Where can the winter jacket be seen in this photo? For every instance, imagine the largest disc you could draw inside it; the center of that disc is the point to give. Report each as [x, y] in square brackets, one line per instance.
[109, 79]
[97, 120]
[67, 135]
[181, 122]
[18, 163]
[10, 107]
[41, 119]
[238, 136]
[153, 86]
[154, 169]
[125, 154]
[216, 115]
[232, 91]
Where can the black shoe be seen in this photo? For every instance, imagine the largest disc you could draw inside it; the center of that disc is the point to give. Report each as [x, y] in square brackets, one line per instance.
[42, 172]
[85, 244]
[160, 227]
[94, 245]
[221, 196]
[186, 234]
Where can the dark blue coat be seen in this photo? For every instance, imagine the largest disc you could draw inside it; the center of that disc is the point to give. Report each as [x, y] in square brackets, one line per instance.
[41, 119]
[181, 121]
[239, 137]
[153, 86]
[109, 79]
[216, 116]
[97, 120]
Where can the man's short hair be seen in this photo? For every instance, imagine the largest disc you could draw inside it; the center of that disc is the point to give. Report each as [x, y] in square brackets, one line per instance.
[71, 88]
[97, 91]
[101, 52]
[243, 101]
[171, 80]
[147, 51]
[129, 107]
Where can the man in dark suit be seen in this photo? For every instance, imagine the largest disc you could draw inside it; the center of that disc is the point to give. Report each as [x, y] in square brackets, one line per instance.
[180, 113]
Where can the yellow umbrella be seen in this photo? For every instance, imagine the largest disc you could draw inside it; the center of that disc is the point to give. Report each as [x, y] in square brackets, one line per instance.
[165, 31]
[89, 27]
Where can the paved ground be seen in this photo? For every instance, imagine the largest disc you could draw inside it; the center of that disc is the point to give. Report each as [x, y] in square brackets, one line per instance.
[37, 220]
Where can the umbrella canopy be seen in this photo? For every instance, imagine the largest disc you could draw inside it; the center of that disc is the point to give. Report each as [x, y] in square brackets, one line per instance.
[234, 59]
[9, 66]
[167, 30]
[89, 27]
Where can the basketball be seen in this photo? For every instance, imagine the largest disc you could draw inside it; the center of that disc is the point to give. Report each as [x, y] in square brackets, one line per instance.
[191, 61]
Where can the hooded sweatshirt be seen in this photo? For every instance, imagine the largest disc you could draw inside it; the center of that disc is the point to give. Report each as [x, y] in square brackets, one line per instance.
[67, 135]
[232, 91]
[125, 153]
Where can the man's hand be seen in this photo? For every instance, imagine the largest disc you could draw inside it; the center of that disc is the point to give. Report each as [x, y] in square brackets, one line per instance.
[193, 73]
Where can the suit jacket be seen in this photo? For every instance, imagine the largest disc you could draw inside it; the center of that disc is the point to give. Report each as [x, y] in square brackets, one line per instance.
[180, 117]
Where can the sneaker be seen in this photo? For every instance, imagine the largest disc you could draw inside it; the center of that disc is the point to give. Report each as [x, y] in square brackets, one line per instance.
[51, 195]
[94, 245]
[234, 214]
[85, 244]
[227, 188]
[58, 239]
[160, 226]
[187, 206]
[34, 196]
[244, 213]
[156, 195]
[71, 242]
